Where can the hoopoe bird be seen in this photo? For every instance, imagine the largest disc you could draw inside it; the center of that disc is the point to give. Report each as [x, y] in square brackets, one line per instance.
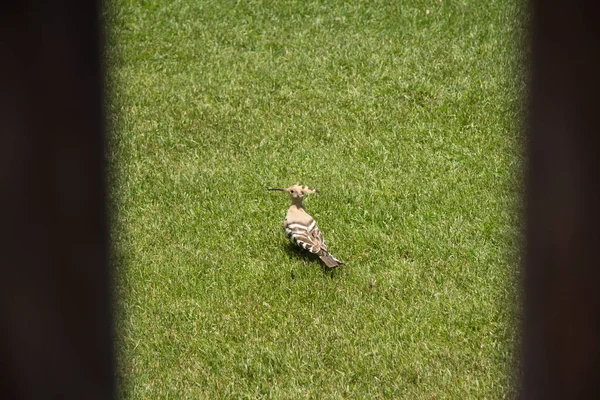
[302, 229]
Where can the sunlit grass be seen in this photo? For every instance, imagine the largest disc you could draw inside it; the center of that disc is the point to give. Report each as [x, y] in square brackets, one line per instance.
[405, 115]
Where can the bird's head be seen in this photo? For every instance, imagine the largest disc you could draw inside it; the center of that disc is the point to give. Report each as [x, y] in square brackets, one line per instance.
[297, 192]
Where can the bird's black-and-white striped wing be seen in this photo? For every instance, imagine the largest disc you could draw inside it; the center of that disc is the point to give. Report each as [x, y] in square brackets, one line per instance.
[308, 237]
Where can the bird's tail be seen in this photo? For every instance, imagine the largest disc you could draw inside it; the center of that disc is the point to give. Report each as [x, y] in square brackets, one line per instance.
[330, 260]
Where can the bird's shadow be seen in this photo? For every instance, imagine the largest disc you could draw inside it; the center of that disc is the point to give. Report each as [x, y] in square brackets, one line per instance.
[298, 253]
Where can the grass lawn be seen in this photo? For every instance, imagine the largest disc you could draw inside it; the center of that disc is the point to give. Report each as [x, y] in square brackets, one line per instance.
[406, 115]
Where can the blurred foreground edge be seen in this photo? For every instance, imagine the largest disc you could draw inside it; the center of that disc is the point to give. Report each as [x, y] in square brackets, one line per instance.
[56, 328]
[561, 330]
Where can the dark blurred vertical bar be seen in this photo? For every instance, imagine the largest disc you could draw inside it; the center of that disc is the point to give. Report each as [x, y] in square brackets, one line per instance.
[562, 282]
[55, 325]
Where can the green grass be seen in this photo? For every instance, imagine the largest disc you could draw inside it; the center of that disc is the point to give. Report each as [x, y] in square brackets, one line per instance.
[410, 125]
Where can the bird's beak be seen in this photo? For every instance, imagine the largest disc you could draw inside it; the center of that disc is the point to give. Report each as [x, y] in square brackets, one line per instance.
[283, 190]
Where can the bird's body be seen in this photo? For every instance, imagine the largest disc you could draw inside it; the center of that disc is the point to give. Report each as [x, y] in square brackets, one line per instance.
[301, 228]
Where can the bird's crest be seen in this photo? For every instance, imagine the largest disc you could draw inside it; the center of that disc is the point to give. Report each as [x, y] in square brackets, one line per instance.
[297, 191]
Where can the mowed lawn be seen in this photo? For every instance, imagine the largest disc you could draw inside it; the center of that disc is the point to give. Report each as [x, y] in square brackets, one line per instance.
[406, 115]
